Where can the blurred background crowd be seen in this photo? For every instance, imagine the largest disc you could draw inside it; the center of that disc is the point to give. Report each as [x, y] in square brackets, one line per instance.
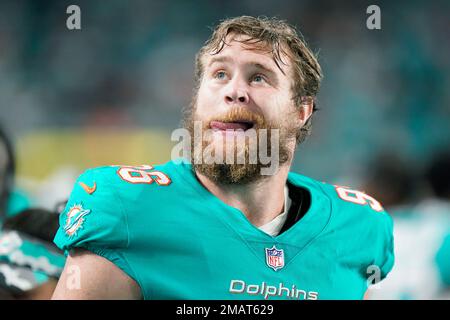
[112, 93]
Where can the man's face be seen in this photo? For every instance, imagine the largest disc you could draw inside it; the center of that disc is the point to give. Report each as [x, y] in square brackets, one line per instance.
[243, 89]
[244, 75]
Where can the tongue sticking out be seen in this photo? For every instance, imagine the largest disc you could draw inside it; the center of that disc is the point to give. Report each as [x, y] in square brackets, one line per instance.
[217, 125]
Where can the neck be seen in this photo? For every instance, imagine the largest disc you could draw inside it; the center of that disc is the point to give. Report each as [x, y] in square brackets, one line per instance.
[260, 201]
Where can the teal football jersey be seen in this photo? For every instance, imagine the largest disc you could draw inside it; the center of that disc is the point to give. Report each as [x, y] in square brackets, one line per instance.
[178, 241]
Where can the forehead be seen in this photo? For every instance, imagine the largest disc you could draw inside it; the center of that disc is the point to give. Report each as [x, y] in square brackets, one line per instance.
[244, 48]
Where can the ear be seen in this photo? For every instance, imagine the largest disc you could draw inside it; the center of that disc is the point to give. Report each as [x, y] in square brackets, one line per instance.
[306, 108]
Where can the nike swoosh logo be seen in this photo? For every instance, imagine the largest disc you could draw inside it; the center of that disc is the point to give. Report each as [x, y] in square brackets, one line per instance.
[89, 190]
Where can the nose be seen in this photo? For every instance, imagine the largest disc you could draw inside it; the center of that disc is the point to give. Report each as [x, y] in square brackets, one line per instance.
[236, 93]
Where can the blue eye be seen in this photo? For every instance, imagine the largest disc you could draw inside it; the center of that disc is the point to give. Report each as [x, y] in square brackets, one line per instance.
[258, 78]
[220, 75]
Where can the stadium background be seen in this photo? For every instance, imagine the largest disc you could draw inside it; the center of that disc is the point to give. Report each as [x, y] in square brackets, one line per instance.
[112, 92]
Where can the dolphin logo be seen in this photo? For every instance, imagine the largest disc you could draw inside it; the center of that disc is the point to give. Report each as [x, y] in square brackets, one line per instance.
[75, 219]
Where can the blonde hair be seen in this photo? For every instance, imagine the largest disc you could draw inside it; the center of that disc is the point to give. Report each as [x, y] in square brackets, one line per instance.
[282, 39]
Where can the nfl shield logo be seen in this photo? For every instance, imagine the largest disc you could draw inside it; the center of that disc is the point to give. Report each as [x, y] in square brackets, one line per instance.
[275, 258]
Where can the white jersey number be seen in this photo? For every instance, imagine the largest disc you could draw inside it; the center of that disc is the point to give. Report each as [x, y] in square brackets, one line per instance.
[143, 174]
[358, 197]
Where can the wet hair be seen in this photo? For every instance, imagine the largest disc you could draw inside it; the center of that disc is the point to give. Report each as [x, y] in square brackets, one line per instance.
[281, 39]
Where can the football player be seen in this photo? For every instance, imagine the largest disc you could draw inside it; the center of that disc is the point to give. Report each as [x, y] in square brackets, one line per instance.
[30, 264]
[204, 229]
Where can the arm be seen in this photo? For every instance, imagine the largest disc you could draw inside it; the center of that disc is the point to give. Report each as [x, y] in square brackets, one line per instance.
[89, 276]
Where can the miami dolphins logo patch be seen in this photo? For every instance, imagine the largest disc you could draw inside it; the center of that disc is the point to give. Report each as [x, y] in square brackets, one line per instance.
[75, 219]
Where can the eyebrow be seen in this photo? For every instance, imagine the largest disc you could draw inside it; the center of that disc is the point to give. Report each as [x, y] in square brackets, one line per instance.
[258, 65]
[219, 59]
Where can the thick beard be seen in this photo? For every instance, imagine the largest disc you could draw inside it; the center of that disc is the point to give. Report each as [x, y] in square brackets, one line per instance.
[225, 173]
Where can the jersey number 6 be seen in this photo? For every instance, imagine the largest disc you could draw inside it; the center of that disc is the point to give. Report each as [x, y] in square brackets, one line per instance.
[140, 174]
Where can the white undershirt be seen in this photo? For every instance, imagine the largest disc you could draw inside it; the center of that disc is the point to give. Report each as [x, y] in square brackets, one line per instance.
[273, 227]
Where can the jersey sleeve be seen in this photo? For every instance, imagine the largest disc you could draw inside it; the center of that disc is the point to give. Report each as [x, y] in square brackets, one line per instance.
[368, 228]
[93, 219]
[384, 257]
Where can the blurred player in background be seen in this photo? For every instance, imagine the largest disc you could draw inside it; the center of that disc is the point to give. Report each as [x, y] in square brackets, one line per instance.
[12, 200]
[30, 263]
[422, 221]
[438, 177]
[7, 169]
[217, 230]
